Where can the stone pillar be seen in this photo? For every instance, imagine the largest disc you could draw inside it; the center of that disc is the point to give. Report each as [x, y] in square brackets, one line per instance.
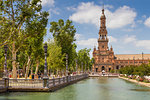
[45, 84]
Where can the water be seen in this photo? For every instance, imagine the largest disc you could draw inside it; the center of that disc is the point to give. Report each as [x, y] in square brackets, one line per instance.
[89, 89]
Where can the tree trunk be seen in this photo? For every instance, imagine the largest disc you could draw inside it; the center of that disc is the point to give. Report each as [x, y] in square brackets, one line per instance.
[37, 68]
[14, 61]
[24, 69]
[28, 67]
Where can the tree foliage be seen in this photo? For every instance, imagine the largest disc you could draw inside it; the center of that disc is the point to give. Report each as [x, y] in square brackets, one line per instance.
[21, 20]
[142, 70]
[64, 34]
[55, 56]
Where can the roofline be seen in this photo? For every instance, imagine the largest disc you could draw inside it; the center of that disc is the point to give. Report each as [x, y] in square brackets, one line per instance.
[131, 54]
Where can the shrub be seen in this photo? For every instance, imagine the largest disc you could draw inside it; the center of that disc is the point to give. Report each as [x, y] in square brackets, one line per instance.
[146, 80]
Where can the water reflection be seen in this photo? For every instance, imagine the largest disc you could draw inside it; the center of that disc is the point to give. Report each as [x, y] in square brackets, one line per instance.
[90, 89]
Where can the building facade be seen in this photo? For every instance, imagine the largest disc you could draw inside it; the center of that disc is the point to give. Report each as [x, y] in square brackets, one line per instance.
[106, 60]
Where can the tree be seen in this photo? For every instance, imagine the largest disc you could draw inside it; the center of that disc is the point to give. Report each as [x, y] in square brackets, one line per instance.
[84, 57]
[64, 34]
[15, 16]
[55, 56]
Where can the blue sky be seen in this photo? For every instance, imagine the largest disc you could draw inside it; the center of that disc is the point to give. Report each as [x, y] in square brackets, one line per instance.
[128, 22]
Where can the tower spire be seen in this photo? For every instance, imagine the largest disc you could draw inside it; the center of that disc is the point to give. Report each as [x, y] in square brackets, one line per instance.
[103, 9]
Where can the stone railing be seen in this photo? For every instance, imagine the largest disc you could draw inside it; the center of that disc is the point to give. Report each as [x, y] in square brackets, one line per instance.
[64, 80]
[29, 84]
[2, 84]
[25, 83]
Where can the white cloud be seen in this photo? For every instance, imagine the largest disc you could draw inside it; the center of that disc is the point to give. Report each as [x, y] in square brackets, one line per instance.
[78, 36]
[89, 42]
[129, 39]
[86, 13]
[48, 2]
[144, 16]
[143, 43]
[147, 22]
[139, 21]
[121, 17]
[112, 39]
[128, 29]
[90, 13]
[54, 11]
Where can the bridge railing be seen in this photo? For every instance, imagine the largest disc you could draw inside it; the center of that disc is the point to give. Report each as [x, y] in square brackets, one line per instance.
[58, 81]
[2, 84]
[39, 83]
[26, 83]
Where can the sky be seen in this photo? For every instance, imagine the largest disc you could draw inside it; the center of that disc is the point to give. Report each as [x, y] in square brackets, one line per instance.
[127, 22]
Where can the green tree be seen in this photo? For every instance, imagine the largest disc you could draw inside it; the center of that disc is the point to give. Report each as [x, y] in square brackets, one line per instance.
[64, 34]
[15, 16]
[55, 56]
[84, 57]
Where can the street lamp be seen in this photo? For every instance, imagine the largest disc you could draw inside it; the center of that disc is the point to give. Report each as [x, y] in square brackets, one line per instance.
[5, 64]
[45, 66]
[67, 64]
[85, 68]
[82, 67]
[76, 66]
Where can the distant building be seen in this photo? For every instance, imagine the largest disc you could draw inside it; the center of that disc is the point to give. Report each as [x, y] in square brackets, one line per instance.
[105, 59]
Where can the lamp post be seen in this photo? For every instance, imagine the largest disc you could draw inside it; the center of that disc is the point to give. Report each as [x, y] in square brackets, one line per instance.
[67, 64]
[85, 68]
[82, 67]
[76, 66]
[5, 64]
[45, 66]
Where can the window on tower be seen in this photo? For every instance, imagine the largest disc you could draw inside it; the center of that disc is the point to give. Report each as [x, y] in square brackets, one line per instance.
[102, 46]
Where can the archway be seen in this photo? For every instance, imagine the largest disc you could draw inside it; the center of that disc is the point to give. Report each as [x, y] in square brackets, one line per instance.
[117, 67]
[96, 69]
[109, 69]
[103, 68]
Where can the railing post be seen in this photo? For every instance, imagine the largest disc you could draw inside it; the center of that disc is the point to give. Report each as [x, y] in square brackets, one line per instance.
[6, 80]
[67, 79]
[59, 80]
[45, 85]
[63, 79]
[53, 81]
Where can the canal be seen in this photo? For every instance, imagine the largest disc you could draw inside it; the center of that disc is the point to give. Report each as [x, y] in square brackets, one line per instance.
[88, 89]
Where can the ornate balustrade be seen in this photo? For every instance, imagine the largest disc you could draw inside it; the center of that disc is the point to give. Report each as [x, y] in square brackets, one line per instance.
[25, 83]
[2, 84]
[40, 83]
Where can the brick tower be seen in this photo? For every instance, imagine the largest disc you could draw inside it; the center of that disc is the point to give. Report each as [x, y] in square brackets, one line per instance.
[104, 58]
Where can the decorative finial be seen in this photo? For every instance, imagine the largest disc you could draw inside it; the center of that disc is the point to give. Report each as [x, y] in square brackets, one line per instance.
[103, 9]
[103, 6]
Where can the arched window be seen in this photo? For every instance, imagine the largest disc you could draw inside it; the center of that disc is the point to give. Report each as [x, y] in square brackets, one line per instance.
[117, 67]
[103, 68]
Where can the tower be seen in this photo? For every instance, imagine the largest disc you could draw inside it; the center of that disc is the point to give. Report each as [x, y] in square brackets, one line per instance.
[103, 56]
[103, 40]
